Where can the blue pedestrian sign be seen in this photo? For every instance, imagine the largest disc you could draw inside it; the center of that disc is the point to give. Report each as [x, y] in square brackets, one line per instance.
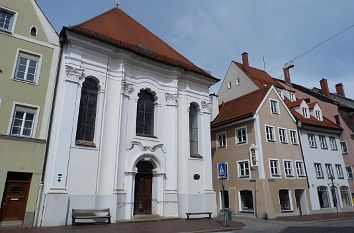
[222, 171]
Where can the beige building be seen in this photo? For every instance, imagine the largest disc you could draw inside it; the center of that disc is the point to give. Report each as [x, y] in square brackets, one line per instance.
[256, 135]
[28, 63]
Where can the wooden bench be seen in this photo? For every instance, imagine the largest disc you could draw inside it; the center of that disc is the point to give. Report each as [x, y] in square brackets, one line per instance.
[198, 213]
[93, 214]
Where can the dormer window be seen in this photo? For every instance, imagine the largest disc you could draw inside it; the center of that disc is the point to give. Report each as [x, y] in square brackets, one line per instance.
[305, 112]
[292, 97]
[318, 115]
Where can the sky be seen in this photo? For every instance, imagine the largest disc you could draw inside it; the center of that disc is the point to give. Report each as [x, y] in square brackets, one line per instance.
[212, 33]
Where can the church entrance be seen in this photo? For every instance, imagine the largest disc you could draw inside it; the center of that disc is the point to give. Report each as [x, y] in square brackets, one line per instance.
[143, 188]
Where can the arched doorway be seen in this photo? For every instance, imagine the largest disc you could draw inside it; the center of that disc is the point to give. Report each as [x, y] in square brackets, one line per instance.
[143, 188]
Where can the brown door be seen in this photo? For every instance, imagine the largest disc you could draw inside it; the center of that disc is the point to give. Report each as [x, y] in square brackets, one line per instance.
[14, 199]
[143, 194]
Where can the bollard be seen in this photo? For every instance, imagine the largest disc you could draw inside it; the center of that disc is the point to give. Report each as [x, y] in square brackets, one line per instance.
[227, 216]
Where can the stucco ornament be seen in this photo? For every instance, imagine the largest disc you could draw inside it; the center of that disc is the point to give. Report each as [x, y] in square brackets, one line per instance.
[171, 99]
[205, 105]
[74, 74]
[253, 155]
[146, 148]
[127, 88]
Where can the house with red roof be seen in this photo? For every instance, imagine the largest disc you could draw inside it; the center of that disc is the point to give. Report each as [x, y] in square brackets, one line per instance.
[131, 126]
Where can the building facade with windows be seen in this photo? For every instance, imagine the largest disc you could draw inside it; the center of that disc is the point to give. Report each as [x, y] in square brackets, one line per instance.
[28, 64]
[326, 172]
[256, 136]
[131, 127]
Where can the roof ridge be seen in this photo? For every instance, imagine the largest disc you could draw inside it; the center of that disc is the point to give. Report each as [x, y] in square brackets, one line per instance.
[93, 18]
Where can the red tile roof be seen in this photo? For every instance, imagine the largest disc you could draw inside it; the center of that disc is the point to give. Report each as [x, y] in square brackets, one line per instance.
[117, 28]
[314, 122]
[293, 104]
[312, 105]
[240, 108]
[259, 77]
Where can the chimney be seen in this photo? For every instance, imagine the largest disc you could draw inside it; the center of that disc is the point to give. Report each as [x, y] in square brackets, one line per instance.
[340, 89]
[245, 59]
[286, 70]
[324, 87]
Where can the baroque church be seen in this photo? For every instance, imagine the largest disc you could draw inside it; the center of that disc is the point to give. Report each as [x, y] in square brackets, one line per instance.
[131, 126]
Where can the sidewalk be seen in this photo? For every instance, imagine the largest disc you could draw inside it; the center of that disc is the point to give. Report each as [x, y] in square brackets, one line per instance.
[318, 217]
[170, 226]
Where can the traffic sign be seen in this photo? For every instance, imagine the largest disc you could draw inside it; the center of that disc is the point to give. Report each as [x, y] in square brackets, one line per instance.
[222, 171]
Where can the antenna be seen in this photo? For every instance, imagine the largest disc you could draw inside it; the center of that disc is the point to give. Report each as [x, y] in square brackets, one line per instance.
[117, 2]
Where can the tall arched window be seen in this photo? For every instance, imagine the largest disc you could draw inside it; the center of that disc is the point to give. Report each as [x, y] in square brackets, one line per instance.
[145, 114]
[193, 129]
[87, 113]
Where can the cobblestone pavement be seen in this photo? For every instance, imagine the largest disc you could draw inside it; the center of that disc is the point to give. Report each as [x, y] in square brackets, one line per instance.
[166, 226]
[317, 217]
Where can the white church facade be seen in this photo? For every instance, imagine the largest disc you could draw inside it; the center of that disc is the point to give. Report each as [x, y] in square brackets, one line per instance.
[131, 126]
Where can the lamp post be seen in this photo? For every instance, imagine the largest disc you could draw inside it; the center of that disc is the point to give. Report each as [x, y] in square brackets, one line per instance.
[334, 193]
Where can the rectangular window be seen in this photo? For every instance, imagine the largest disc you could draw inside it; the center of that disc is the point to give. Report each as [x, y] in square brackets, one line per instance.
[343, 145]
[318, 115]
[274, 167]
[339, 170]
[241, 135]
[284, 199]
[283, 137]
[329, 171]
[6, 20]
[344, 193]
[23, 121]
[270, 133]
[243, 169]
[288, 168]
[349, 172]
[312, 140]
[305, 112]
[323, 142]
[293, 137]
[221, 140]
[333, 143]
[300, 169]
[319, 171]
[274, 106]
[238, 82]
[26, 67]
[323, 197]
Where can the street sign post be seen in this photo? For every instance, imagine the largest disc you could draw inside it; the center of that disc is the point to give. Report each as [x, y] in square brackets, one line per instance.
[223, 175]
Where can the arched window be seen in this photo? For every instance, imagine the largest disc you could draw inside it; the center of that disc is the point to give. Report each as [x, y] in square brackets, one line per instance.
[323, 197]
[87, 113]
[344, 193]
[193, 129]
[145, 114]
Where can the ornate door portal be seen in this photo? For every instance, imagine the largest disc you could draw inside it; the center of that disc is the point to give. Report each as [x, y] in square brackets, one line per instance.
[143, 188]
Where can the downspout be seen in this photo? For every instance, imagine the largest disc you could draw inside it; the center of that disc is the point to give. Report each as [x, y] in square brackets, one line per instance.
[62, 40]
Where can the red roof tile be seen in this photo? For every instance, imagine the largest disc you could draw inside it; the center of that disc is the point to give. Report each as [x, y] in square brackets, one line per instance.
[293, 104]
[118, 28]
[259, 77]
[239, 108]
[312, 105]
[314, 122]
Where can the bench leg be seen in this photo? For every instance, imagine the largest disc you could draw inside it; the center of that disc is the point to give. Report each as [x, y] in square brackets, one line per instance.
[73, 221]
[109, 220]
[209, 215]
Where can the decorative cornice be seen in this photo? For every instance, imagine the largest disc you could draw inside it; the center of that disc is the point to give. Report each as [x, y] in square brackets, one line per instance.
[171, 99]
[74, 74]
[127, 88]
[146, 148]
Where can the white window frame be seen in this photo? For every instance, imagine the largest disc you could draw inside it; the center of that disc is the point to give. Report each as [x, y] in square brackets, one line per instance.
[305, 112]
[313, 136]
[344, 152]
[238, 81]
[286, 141]
[349, 173]
[276, 110]
[323, 143]
[339, 170]
[35, 120]
[236, 135]
[296, 141]
[239, 162]
[38, 71]
[290, 200]
[318, 115]
[266, 134]
[217, 140]
[292, 97]
[229, 85]
[329, 170]
[14, 20]
[320, 170]
[278, 168]
[302, 168]
[333, 143]
[291, 175]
